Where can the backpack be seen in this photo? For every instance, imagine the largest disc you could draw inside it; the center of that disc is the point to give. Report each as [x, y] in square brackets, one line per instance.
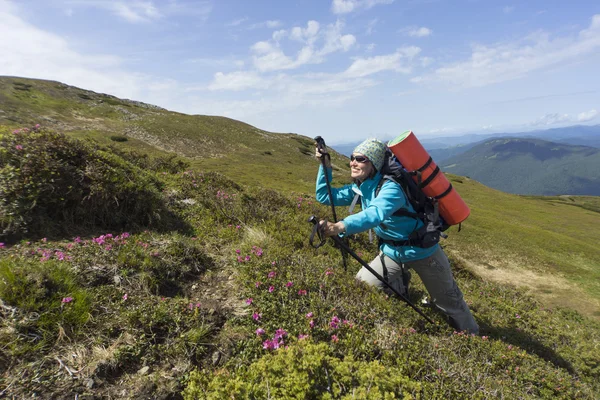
[426, 208]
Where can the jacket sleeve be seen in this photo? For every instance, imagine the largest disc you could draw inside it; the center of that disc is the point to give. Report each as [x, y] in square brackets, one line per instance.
[390, 199]
[341, 196]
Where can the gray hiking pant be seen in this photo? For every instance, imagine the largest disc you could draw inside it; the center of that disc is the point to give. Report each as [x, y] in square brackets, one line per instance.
[437, 277]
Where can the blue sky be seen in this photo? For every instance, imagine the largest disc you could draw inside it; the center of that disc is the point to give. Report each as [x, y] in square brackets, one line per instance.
[341, 69]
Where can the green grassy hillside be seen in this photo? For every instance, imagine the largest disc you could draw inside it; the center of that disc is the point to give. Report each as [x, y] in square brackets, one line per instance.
[126, 272]
[211, 143]
[530, 166]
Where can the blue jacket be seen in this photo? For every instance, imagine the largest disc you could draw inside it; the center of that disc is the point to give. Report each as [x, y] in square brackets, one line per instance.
[377, 214]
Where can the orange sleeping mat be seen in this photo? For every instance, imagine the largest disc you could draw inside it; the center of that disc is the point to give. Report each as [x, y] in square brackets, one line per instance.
[414, 158]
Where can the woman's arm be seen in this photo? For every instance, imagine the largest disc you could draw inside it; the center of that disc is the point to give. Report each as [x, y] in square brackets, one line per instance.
[341, 196]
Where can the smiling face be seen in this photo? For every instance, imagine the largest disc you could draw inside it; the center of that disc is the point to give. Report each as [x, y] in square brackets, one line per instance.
[360, 167]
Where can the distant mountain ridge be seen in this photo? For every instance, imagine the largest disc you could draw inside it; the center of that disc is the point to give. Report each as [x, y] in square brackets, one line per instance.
[530, 166]
[582, 135]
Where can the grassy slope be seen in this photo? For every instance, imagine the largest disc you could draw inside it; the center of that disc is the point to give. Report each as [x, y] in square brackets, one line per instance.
[211, 143]
[537, 242]
[548, 244]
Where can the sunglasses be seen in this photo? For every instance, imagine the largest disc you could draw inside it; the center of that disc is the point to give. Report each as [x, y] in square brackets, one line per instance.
[360, 159]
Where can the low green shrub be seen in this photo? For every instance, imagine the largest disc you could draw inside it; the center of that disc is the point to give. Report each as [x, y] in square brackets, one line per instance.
[51, 184]
[305, 371]
[116, 138]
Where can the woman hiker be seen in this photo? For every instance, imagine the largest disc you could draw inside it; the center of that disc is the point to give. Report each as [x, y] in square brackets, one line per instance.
[431, 264]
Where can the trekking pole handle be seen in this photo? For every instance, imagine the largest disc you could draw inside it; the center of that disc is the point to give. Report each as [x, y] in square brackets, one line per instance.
[321, 145]
[362, 262]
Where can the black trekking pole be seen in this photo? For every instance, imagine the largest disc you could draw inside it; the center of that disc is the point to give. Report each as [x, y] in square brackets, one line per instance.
[324, 153]
[337, 239]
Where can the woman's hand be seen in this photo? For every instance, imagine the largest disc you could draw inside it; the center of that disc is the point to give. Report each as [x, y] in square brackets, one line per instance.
[331, 228]
[325, 157]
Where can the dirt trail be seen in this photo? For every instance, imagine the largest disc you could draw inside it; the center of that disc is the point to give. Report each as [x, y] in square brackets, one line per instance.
[549, 289]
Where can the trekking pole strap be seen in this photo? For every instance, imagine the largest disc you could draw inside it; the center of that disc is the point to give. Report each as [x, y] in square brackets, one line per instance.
[317, 231]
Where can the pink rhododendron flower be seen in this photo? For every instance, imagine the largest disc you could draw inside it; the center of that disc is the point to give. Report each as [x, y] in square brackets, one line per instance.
[302, 292]
[334, 338]
[256, 316]
[289, 284]
[19, 147]
[67, 300]
[2, 245]
[270, 345]
[272, 274]
[334, 322]
[280, 333]
[311, 323]
[249, 300]
[125, 296]
[309, 315]
[271, 289]
[273, 263]
[238, 251]
[260, 331]
[257, 284]
[302, 336]
[328, 272]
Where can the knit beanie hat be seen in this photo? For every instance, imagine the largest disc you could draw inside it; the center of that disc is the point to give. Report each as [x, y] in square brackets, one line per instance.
[374, 150]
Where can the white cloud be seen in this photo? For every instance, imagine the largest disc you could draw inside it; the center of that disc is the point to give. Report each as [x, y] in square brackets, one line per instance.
[279, 35]
[426, 61]
[236, 22]
[334, 40]
[269, 56]
[135, 12]
[348, 6]
[289, 92]
[306, 35]
[216, 62]
[507, 61]
[274, 24]
[29, 51]
[551, 119]
[391, 62]
[271, 24]
[239, 80]
[587, 116]
[557, 118]
[371, 26]
[420, 32]
[140, 11]
[508, 9]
